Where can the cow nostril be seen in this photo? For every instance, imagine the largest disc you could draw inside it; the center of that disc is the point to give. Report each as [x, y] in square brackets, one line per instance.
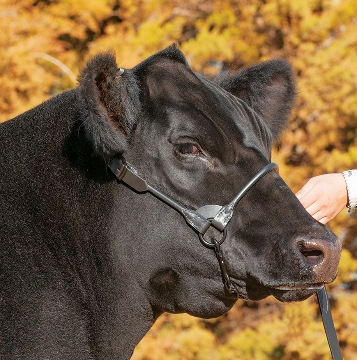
[312, 255]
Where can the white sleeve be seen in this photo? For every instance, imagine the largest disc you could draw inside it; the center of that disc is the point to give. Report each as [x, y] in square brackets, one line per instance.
[351, 183]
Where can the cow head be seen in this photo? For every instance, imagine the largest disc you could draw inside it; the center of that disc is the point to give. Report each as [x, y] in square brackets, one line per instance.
[200, 142]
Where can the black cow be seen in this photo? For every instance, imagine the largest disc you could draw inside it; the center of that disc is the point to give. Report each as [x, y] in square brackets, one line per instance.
[88, 263]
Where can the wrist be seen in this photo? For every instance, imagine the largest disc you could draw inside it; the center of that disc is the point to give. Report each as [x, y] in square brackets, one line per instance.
[350, 177]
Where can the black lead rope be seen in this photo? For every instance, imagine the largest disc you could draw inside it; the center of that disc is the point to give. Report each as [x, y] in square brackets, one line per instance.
[327, 320]
[219, 216]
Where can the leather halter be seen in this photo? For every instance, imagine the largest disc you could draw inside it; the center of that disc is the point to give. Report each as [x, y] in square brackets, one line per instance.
[218, 217]
[201, 219]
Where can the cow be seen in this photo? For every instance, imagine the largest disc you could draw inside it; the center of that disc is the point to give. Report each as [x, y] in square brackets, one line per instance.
[110, 201]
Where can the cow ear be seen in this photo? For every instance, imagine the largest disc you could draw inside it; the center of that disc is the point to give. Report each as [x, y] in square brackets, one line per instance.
[268, 88]
[110, 97]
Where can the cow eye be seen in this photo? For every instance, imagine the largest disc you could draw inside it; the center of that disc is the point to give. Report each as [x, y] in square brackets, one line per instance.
[188, 149]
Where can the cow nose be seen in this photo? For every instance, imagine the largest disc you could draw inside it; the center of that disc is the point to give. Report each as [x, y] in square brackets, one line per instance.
[322, 256]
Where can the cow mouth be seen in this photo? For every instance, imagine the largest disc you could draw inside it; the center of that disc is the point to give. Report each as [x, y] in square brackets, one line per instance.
[313, 287]
[284, 293]
[288, 293]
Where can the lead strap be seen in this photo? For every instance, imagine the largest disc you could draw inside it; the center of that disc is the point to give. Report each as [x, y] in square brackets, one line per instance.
[327, 320]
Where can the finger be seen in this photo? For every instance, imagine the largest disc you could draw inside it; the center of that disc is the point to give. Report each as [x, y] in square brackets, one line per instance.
[313, 209]
[308, 199]
[324, 220]
[323, 216]
[302, 192]
[307, 187]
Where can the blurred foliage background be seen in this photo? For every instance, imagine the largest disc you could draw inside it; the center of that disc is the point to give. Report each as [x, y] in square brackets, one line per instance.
[44, 43]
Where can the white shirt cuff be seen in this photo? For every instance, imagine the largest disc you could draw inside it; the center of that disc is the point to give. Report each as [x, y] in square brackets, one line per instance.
[351, 183]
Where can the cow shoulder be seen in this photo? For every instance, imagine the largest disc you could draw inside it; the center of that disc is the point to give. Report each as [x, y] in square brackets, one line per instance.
[269, 88]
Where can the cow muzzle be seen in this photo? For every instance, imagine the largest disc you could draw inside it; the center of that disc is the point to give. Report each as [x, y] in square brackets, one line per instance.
[320, 257]
[317, 263]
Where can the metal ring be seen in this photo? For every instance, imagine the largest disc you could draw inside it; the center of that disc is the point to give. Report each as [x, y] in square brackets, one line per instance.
[212, 245]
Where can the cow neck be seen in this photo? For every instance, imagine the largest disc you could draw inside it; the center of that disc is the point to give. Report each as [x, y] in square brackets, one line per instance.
[201, 219]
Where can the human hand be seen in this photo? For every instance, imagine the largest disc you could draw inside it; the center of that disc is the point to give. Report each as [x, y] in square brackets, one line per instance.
[324, 196]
